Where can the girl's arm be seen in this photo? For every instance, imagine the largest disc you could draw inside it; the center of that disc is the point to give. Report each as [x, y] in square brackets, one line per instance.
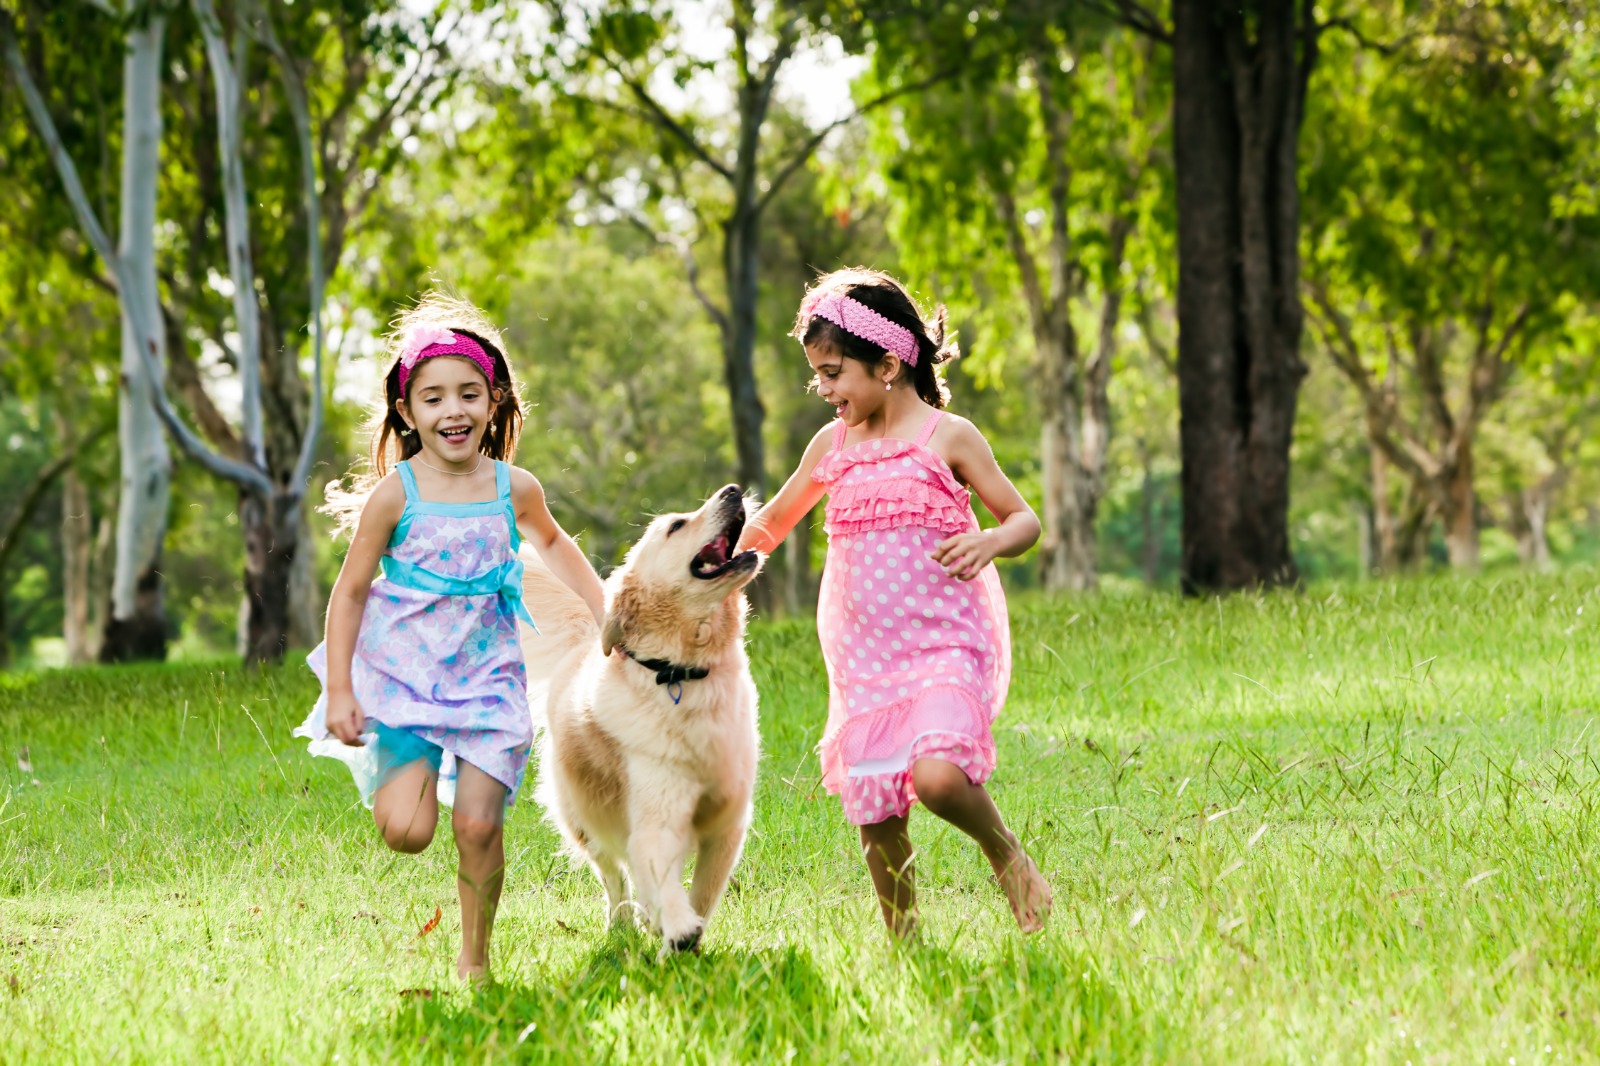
[348, 601]
[972, 460]
[559, 551]
[793, 502]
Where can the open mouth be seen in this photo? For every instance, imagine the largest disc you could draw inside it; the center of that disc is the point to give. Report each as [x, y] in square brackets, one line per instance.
[456, 434]
[717, 558]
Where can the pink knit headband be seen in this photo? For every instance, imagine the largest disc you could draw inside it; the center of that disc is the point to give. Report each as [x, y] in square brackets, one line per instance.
[855, 317]
[425, 342]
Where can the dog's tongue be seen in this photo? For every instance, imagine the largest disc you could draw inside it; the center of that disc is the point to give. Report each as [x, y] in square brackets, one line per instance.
[715, 553]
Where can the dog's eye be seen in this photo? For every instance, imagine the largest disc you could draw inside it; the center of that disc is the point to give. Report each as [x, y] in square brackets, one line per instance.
[679, 524]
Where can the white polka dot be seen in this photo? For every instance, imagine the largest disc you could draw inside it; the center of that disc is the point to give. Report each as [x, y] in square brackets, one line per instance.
[882, 598]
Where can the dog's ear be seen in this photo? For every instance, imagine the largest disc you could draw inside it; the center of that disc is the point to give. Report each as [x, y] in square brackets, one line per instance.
[611, 635]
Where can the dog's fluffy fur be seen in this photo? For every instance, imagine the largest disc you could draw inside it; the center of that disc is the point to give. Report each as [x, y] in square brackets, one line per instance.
[632, 779]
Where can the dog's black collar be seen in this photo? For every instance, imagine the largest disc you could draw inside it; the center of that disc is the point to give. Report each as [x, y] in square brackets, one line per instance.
[670, 673]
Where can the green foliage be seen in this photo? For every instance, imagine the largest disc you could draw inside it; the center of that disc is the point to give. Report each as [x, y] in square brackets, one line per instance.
[626, 416]
[1382, 793]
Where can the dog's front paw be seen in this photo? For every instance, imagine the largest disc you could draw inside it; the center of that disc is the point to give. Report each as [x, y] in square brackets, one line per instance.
[685, 937]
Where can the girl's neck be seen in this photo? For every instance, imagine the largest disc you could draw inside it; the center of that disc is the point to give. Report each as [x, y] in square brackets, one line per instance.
[901, 415]
[436, 485]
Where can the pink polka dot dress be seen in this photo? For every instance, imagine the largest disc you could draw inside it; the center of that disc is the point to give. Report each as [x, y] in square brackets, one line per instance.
[918, 663]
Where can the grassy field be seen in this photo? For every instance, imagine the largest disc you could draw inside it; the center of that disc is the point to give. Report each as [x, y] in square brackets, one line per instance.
[1351, 824]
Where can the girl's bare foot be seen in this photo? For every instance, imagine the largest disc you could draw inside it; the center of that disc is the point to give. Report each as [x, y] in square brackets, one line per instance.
[1027, 891]
[472, 973]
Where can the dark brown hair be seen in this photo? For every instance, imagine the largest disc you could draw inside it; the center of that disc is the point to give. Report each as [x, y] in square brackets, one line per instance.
[391, 441]
[890, 299]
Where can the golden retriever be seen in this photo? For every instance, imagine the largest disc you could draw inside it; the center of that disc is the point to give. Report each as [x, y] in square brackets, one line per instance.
[649, 746]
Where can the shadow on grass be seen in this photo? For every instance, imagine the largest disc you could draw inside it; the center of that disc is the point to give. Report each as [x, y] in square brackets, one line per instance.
[623, 1003]
[1037, 1000]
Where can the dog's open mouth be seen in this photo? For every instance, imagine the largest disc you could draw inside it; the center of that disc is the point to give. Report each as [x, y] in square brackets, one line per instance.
[717, 558]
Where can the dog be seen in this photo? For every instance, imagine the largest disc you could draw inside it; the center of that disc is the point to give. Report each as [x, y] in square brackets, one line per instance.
[650, 740]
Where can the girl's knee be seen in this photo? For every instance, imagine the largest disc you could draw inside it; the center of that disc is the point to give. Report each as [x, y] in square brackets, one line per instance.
[407, 829]
[940, 785]
[475, 831]
[406, 839]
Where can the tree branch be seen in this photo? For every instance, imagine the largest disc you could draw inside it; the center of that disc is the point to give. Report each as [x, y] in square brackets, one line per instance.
[811, 144]
[34, 493]
[294, 88]
[1133, 15]
[658, 115]
[236, 218]
[192, 445]
[1383, 421]
[186, 376]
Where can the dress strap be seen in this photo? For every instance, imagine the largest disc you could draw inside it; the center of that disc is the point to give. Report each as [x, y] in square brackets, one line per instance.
[928, 428]
[838, 433]
[409, 480]
[502, 489]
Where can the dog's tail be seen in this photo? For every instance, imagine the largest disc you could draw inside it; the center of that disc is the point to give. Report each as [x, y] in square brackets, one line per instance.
[565, 622]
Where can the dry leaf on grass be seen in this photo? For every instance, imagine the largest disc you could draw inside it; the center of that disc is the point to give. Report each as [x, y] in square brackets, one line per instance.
[433, 923]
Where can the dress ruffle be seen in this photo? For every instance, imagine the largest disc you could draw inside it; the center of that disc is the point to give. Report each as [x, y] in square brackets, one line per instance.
[894, 504]
[895, 726]
[896, 483]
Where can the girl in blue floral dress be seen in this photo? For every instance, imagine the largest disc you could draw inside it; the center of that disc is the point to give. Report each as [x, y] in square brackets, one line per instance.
[424, 691]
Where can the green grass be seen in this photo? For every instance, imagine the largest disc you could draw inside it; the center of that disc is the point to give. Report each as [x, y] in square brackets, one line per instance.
[1351, 824]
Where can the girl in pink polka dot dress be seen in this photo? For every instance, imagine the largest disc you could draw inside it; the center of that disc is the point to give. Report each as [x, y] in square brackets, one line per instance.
[912, 617]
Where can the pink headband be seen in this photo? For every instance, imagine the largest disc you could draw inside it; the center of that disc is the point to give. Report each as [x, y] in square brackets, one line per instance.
[855, 317]
[425, 342]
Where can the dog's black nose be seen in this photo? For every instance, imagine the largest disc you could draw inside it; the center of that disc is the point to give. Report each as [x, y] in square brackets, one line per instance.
[732, 492]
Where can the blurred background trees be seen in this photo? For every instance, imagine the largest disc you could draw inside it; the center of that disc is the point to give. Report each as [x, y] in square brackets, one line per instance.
[640, 195]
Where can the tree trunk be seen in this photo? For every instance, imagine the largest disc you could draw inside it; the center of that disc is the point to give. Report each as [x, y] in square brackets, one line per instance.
[1385, 557]
[271, 541]
[76, 533]
[306, 606]
[1150, 550]
[1411, 532]
[1533, 534]
[740, 234]
[1461, 511]
[1236, 121]
[1066, 557]
[100, 571]
[137, 627]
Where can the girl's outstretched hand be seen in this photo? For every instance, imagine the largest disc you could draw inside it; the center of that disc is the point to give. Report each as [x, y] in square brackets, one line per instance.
[345, 718]
[964, 555]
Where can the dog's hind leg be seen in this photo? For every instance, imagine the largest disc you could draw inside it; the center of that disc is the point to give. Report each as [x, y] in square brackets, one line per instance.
[719, 852]
[662, 822]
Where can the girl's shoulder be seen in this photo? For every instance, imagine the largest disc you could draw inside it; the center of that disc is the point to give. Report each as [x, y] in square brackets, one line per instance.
[388, 495]
[954, 435]
[524, 486]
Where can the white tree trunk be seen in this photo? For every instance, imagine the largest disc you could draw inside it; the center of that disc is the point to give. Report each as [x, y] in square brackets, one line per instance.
[136, 599]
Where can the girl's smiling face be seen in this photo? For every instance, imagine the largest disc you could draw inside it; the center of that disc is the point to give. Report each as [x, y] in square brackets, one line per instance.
[855, 392]
[449, 406]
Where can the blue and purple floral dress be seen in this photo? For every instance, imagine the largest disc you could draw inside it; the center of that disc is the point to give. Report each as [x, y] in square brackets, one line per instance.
[438, 665]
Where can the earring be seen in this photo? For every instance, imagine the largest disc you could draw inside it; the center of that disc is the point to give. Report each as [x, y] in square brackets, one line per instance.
[887, 386]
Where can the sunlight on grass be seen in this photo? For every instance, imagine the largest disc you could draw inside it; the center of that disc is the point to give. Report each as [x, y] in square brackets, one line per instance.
[1354, 823]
